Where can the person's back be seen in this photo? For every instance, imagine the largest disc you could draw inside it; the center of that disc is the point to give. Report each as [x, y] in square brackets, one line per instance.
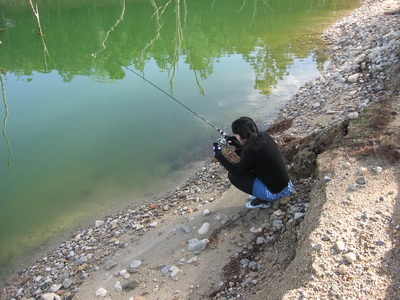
[270, 167]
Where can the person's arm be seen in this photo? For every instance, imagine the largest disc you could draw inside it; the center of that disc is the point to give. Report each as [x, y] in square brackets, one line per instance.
[232, 140]
[245, 164]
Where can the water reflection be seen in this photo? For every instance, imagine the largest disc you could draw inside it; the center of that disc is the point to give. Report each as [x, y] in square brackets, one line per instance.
[121, 17]
[6, 113]
[161, 30]
[35, 11]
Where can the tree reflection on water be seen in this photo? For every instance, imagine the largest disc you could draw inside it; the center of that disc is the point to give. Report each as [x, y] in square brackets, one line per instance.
[199, 33]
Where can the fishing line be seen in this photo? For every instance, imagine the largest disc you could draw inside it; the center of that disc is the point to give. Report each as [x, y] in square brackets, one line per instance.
[164, 92]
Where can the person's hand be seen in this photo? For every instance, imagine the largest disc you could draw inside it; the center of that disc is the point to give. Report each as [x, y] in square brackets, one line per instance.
[217, 149]
[232, 140]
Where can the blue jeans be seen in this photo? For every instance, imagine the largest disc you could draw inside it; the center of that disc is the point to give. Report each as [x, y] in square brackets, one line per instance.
[250, 184]
[261, 191]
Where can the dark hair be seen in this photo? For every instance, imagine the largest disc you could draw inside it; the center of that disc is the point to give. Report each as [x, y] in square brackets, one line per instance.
[246, 129]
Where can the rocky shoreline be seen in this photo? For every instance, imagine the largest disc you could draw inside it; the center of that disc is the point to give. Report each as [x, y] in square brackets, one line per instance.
[364, 68]
[64, 270]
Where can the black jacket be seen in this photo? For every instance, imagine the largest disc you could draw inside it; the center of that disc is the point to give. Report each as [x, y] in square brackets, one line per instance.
[264, 159]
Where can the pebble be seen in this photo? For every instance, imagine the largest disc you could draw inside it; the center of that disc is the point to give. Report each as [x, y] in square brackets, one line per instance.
[361, 180]
[50, 296]
[101, 292]
[377, 170]
[66, 283]
[353, 78]
[278, 224]
[174, 271]
[206, 212]
[192, 260]
[350, 257]
[166, 269]
[54, 288]
[346, 165]
[318, 246]
[131, 285]
[118, 287]
[18, 292]
[353, 115]
[260, 240]
[83, 259]
[353, 187]
[327, 179]
[135, 263]
[204, 229]
[186, 229]
[196, 244]
[99, 223]
[342, 269]
[339, 246]
[110, 264]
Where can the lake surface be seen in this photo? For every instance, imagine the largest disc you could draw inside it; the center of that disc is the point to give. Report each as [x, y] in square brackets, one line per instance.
[84, 136]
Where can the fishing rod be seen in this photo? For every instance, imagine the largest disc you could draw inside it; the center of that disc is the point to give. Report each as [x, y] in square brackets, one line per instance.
[164, 92]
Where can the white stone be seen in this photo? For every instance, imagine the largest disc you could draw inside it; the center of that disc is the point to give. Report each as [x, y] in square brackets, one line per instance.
[19, 292]
[135, 263]
[260, 240]
[350, 257]
[66, 283]
[114, 224]
[50, 296]
[153, 224]
[353, 78]
[346, 165]
[206, 212]
[196, 244]
[118, 287]
[204, 229]
[342, 269]
[318, 247]
[340, 246]
[98, 223]
[174, 270]
[298, 215]
[123, 272]
[192, 260]
[353, 115]
[137, 226]
[378, 170]
[101, 292]
[316, 105]
[55, 287]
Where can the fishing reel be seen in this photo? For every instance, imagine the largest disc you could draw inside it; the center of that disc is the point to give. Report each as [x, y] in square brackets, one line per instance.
[222, 140]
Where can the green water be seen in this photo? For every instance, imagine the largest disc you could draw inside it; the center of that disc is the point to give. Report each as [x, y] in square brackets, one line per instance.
[82, 136]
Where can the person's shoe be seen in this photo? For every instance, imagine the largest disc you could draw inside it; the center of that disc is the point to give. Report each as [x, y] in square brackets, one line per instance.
[251, 197]
[258, 203]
